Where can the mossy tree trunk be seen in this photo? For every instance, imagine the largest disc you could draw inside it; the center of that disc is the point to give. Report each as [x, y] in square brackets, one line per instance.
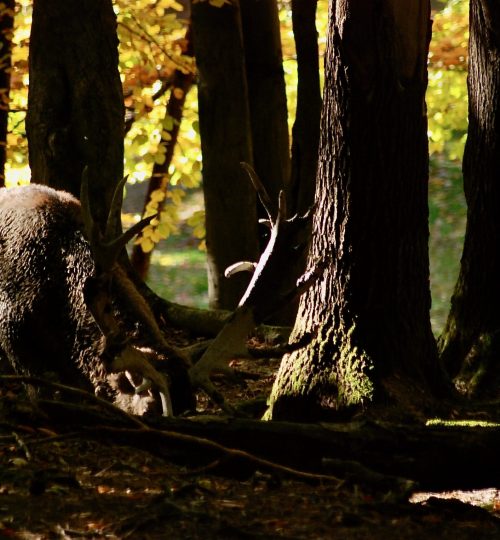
[366, 321]
[230, 200]
[470, 342]
[75, 110]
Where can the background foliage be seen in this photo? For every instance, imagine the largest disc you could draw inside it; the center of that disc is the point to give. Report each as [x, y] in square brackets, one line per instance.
[151, 37]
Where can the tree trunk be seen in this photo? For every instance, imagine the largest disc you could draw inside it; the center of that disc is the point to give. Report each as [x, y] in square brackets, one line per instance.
[266, 94]
[75, 112]
[230, 203]
[180, 85]
[305, 133]
[471, 338]
[367, 317]
[268, 115]
[6, 29]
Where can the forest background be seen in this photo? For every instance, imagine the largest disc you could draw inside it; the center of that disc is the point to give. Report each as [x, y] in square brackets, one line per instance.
[150, 53]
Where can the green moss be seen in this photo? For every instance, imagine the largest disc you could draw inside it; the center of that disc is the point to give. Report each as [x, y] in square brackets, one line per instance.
[350, 367]
[461, 423]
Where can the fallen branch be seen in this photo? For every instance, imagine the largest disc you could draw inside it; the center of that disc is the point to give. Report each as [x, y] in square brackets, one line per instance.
[436, 457]
[143, 432]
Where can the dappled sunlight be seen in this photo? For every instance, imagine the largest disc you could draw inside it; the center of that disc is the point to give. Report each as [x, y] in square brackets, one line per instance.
[17, 176]
[178, 273]
[488, 499]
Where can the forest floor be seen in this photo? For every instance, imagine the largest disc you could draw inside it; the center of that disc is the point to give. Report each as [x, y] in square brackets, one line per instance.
[66, 485]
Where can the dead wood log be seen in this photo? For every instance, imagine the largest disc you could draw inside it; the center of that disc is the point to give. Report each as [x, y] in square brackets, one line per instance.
[437, 458]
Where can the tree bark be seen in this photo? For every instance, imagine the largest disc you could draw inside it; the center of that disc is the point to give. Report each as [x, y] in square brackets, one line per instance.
[230, 202]
[266, 94]
[6, 30]
[305, 133]
[269, 116]
[75, 113]
[470, 342]
[367, 318]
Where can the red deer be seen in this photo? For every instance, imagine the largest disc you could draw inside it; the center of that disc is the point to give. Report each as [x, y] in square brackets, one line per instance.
[58, 306]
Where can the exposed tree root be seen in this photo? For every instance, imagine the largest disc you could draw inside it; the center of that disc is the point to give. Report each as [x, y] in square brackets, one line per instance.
[379, 454]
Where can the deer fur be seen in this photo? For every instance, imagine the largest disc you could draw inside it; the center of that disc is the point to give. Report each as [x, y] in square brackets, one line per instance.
[46, 326]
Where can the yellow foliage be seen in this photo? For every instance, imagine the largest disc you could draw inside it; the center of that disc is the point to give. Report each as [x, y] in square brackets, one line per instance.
[447, 90]
[450, 35]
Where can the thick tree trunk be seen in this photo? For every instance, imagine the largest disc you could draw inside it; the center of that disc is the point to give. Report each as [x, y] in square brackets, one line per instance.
[367, 317]
[305, 133]
[230, 203]
[470, 342]
[75, 112]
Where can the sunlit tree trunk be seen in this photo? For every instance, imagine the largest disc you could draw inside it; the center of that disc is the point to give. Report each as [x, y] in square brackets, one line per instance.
[75, 103]
[6, 30]
[230, 201]
[470, 342]
[363, 329]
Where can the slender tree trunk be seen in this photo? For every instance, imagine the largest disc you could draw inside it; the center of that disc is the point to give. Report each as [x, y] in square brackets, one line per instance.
[266, 94]
[75, 112]
[6, 30]
[366, 320]
[180, 85]
[470, 342]
[305, 133]
[268, 115]
[230, 202]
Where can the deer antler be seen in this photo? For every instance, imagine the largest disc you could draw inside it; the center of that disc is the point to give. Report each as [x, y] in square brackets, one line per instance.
[120, 355]
[261, 297]
[106, 248]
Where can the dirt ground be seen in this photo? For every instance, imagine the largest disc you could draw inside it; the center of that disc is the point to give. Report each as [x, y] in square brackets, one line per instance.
[68, 486]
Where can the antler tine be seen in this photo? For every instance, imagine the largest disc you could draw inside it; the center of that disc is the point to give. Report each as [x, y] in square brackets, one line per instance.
[117, 244]
[115, 208]
[261, 191]
[88, 221]
[281, 207]
[106, 250]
